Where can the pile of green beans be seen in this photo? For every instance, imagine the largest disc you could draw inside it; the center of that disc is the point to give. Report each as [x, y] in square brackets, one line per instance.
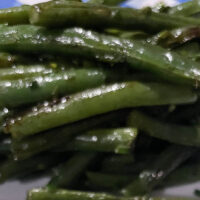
[104, 98]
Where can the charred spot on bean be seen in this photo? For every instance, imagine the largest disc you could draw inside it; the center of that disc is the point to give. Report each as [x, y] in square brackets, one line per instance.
[34, 85]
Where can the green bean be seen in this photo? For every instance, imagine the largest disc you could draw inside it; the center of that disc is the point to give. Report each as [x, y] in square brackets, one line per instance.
[19, 92]
[179, 134]
[68, 173]
[106, 2]
[186, 9]
[97, 101]
[61, 136]
[161, 167]
[117, 140]
[15, 15]
[77, 14]
[164, 63]
[125, 166]
[108, 181]
[11, 168]
[189, 173]
[21, 71]
[44, 194]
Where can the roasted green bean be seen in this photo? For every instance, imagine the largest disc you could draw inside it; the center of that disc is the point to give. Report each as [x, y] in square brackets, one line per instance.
[160, 168]
[117, 140]
[70, 14]
[97, 101]
[179, 134]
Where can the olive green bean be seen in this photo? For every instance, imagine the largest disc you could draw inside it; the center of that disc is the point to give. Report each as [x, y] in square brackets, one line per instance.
[97, 101]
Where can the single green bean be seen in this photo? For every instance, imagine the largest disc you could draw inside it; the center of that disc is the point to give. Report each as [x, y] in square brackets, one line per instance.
[77, 14]
[47, 194]
[61, 136]
[161, 167]
[19, 92]
[97, 101]
[68, 173]
[76, 41]
[117, 140]
[179, 134]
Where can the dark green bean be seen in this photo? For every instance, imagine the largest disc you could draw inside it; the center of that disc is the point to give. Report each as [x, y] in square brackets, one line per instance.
[179, 134]
[116, 163]
[11, 168]
[160, 168]
[186, 174]
[68, 173]
[77, 14]
[111, 182]
[125, 166]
